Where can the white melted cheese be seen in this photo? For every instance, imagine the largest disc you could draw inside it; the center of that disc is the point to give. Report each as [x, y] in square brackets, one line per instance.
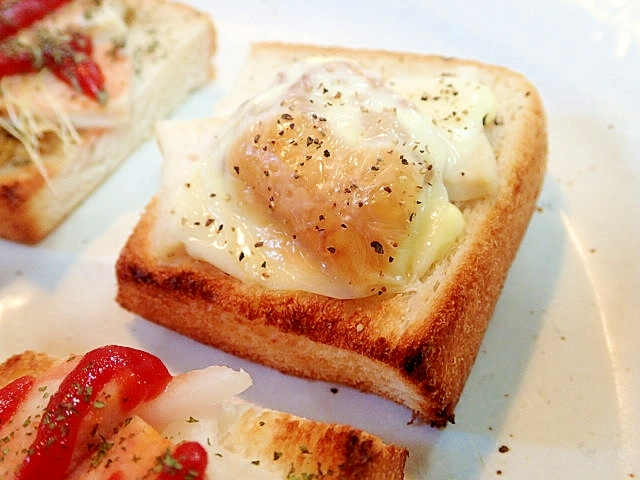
[199, 406]
[329, 182]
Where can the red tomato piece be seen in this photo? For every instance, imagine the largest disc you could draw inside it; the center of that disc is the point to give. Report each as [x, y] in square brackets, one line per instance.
[188, 462]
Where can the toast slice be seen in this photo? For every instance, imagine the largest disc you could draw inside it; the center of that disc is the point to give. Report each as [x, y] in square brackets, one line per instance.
[242, 440]
[168, 49]
[415, 347]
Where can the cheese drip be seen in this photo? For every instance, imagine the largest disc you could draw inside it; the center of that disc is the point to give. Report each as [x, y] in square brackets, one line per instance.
[328, 182]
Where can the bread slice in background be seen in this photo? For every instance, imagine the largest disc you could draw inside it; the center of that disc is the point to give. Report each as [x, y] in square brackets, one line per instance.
[171, 46]
[415, 348]
[254, 441]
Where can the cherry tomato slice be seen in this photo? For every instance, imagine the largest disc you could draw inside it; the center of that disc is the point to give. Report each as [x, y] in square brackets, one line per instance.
[188, 462]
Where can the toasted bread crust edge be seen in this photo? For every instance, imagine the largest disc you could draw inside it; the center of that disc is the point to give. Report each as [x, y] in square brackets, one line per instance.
[294, 446]
[423, 367]
[278, 440]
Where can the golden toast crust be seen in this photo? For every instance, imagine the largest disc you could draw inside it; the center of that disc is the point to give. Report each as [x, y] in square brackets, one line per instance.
[25, 363]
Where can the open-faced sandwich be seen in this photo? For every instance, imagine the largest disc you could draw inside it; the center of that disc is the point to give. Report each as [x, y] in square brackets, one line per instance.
[117, 413]
[82, 83]
[346, 215]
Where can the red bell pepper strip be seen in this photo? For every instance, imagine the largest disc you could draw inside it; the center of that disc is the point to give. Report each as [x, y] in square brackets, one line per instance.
[16, 59]
[18, 14]
[68, 57]
[12, 395]
[139, 376]
[83, 75]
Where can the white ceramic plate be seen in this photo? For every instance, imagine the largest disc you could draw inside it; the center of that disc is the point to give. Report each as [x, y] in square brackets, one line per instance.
[557, 381]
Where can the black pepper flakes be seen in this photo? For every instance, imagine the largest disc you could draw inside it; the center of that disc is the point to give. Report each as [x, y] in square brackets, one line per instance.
[377, 247]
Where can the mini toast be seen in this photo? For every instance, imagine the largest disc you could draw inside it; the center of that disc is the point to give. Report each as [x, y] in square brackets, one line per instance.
[59, 144]
[400, 318]
[190, 425]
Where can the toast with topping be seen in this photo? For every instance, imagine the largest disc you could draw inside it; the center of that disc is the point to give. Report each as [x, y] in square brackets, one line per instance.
[96, 78]
[345, 215]
[119, 413]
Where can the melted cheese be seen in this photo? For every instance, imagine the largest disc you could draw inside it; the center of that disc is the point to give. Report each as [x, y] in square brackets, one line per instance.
[199, 406]
[329, 182]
